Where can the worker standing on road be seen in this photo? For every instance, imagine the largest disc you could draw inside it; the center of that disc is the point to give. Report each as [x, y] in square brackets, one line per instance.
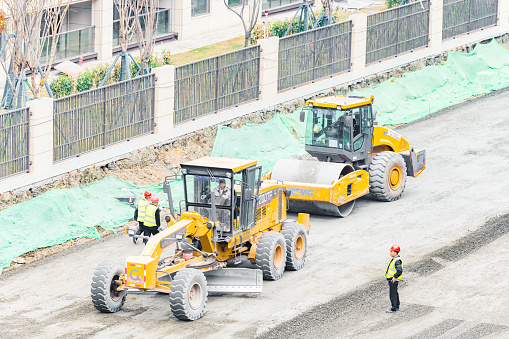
[393, 275]
[152, 219]
[140, 212]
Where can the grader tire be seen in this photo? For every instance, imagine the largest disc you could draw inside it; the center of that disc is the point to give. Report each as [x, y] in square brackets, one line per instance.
[387, 176]
[271, 255]
[296, 245]
[105, 296]
[188, 294]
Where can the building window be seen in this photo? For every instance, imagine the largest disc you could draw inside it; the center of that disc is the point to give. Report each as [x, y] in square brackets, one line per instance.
[233, 3]
[163, 23]
[268, 4]
[199, 7]
[76, 36]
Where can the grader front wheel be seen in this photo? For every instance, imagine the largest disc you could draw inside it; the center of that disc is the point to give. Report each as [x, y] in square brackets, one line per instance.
[271, 255]
[387, 176]
[104, 288]
[188, 294]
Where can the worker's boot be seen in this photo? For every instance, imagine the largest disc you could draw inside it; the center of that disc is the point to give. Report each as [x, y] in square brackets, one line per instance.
[135, 240]
[391, 310]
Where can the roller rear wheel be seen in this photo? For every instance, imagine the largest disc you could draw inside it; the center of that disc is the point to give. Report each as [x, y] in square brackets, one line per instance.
[387, 176]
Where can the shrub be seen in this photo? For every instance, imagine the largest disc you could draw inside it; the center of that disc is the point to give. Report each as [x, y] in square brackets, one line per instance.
[392, 3]
[99, 72]
[85, 81]
[256, 33]
[166, 57]
[62, 86]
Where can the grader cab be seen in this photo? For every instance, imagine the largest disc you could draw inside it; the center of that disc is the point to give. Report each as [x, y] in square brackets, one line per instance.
[214, 230]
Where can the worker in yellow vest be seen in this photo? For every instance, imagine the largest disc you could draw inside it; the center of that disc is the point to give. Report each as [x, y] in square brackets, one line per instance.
[152, 219]
[393, 275]
[140, 212]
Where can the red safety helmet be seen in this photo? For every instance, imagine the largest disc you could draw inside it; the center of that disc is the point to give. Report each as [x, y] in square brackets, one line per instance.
[395, 248]
[147, 194]
[154, 199]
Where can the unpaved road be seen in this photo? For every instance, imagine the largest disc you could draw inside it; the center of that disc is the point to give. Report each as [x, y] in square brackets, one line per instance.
[464, 185]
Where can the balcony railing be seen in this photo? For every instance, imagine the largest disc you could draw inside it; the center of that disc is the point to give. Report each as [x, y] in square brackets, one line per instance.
[70, 44]
[164, 26]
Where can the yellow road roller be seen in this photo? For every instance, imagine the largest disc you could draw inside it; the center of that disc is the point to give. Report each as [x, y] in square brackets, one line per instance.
[355, 157]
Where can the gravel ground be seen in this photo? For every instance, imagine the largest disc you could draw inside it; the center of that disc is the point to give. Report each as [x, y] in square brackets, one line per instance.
[343, 314]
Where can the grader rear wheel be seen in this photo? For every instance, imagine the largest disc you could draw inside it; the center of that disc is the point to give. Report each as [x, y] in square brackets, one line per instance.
[188, 294]
[296, 245]
[271, 255]
[104, 288]
[387, 176]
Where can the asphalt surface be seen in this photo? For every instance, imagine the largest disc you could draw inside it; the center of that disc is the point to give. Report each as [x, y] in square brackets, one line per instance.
[451, 224]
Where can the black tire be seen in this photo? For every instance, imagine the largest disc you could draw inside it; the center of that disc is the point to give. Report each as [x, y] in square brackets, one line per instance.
[296, 245]
[105, 296]
[188, 294]
[271, 255]
[387, 176]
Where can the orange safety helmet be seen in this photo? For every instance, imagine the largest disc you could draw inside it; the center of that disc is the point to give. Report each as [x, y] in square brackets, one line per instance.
[154, 199]
[147, 194]
[395, 248]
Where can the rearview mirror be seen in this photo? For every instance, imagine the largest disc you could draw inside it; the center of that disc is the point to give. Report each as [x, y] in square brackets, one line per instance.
[248, 194]
[348, 121]
[302, 116]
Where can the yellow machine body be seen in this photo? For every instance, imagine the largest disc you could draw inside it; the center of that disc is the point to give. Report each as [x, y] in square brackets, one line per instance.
[142, 271]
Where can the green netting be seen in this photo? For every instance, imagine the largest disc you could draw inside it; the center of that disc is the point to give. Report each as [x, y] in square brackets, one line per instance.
[266, 143]
[60, 215]
[63, 214]
[417, 94]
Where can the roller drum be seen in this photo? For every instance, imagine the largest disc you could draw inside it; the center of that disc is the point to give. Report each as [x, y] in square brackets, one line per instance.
[313, 172]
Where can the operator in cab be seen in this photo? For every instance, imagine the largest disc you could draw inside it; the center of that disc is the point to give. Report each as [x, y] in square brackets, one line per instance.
[222, 193]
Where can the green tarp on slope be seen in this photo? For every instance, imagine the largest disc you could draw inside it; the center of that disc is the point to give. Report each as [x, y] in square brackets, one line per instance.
[60, 215]
[266, 143]
[417, 94]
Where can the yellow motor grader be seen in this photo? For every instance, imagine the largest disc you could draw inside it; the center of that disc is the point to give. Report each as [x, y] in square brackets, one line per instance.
[355, 157]
[213, 231]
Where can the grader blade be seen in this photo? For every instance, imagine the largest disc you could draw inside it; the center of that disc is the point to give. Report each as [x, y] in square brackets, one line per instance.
[235, 280]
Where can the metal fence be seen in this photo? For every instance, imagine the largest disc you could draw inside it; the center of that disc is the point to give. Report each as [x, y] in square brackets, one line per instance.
[93, 119]
[216, 83]
[397, 30]
[315, 54]
[14, 142]
[464, 16]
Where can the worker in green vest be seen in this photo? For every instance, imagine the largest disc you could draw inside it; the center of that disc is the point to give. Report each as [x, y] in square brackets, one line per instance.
[152, 219]
[140, 211]
[393, 275]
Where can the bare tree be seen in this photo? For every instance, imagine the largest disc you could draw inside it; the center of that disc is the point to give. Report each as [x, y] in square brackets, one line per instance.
[145, 15]
[126, 27]
[253, 17]
[33, 26]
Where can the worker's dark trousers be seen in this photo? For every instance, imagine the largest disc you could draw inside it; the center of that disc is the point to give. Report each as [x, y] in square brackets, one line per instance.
[148, 231]
[393, 293]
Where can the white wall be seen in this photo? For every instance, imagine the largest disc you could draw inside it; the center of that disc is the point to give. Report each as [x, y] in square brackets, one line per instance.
[220, 17]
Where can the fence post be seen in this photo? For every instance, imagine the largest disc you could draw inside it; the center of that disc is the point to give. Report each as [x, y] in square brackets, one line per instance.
[436, 16]
[269, 54]
[102, 17]
[182, 18]
[164, 98]
[503, 13]
[359, 41]
[40, 155]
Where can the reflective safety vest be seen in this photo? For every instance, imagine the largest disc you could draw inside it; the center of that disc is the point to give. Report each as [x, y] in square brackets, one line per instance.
[142, 205]
[150, 216]
[391, 269]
